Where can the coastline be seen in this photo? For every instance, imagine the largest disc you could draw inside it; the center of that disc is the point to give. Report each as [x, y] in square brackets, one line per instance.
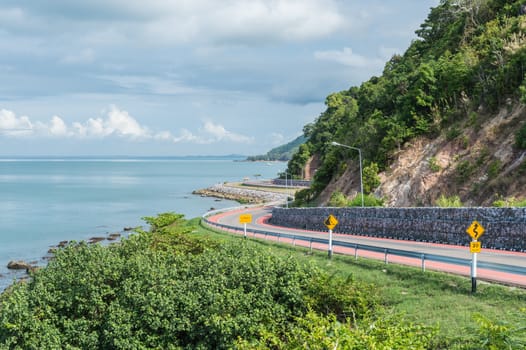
[236, 192]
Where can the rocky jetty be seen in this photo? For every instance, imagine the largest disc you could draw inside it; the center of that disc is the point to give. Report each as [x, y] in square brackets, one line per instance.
[241, 195]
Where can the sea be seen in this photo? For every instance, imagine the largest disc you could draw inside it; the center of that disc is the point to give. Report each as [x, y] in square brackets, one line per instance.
[46, 200]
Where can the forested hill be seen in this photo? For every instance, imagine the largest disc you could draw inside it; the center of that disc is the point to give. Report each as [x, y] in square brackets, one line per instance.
[446, 118]
[282, 153]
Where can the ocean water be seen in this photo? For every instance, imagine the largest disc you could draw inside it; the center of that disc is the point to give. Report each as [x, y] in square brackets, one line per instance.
[45, 201]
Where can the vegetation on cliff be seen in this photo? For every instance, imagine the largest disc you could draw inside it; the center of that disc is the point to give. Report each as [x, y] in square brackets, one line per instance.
[467, 64]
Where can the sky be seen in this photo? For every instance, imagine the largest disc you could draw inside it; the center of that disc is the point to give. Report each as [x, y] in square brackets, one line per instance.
[184, 77]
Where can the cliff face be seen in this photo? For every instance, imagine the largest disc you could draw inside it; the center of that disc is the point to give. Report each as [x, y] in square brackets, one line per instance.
[476, 160]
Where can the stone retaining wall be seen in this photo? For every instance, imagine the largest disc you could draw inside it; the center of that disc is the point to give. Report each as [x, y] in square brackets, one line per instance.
[505, 228]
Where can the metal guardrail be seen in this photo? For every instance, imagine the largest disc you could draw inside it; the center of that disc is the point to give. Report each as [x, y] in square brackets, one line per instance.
[386, 251]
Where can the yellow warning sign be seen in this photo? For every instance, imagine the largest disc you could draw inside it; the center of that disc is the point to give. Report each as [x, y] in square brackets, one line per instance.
[245, 218]
[331, 222]
[475, 230]
[475, 247]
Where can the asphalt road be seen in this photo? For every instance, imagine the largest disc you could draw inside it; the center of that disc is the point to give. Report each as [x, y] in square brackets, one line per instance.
[260, 216]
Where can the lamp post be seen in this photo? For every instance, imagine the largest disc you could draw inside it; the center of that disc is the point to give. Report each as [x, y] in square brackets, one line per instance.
[360, 156]
[286, 191]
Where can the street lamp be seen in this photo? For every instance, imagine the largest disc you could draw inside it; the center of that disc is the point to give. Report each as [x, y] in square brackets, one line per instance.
[360, 156]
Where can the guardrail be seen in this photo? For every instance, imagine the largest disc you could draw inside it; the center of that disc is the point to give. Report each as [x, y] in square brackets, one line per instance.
[423, 257]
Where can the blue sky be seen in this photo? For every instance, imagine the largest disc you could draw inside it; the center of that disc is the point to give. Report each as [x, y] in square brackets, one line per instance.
[184, 77]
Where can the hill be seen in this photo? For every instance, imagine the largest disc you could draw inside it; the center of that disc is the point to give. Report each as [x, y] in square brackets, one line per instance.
[446, 119]
[283, 152]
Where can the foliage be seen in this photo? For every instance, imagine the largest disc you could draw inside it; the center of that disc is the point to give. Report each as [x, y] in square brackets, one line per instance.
[433, 165]
[298, 161]
[497, 335]
[281, 153]
[371, 180]
[448, 202]
[159, 290]
[369, 200]
[520, 138]
[320, 332]
[469, 54]
[337, 199]
[509, 202]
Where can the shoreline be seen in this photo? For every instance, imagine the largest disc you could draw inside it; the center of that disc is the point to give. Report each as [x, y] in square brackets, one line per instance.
[242, 195]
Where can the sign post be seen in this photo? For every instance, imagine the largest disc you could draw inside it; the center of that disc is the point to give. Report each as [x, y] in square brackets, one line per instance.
[330, 222]
[475, 230]
[245, 219]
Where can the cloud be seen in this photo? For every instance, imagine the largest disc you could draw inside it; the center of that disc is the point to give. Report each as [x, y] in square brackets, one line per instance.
[117, 123]
[219, 133]
[149, 84]
[12, 125]
[84, 56]
[229, 21]
[348, 58]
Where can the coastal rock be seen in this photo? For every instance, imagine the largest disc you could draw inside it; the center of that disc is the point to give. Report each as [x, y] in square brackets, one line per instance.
[62, 244]
[113, 236]
[241, 195]
[127, 229]
[96, 239]
[18, 265]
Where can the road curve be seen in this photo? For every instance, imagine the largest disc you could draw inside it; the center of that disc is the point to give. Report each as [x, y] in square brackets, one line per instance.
[261, 215]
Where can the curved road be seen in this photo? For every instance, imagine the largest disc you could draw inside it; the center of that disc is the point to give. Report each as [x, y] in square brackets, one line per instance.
[260, 215]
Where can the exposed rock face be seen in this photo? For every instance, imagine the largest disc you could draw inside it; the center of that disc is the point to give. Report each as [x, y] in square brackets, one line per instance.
[479, 165]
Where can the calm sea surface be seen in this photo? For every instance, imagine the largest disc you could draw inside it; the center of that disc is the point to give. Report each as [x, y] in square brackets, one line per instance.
[45, 201]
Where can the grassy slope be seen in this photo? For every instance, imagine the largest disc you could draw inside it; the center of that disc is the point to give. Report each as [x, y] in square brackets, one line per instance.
[430, 298]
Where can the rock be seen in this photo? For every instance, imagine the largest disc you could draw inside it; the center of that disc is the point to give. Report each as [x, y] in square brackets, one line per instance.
[96, 239]
[113, 236]
[62, 244]
[52, 250]
[18, 265]
[127, 229]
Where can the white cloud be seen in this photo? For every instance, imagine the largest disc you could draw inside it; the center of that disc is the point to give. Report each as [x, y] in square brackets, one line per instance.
[58, 127]
[232, 21]
[218, 132]
[12, 125]
[116, 123]
[348, 58]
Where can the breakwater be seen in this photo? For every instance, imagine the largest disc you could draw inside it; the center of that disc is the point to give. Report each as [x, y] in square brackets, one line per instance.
[505, 228]
[242, 195]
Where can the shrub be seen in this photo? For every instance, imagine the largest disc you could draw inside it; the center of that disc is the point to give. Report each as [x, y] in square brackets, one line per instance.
[509, 202]
[520, 138]
[433, 165]
[371, 180]
[369, 200]
[337, 199]
[448, 202]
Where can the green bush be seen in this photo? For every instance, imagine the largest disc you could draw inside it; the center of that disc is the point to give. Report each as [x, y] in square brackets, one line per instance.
[509, 202]
[520, 138]
[337, 199]
[448, 202]
[166, 289]
[369, 200]
[371, 180]
[433, 165]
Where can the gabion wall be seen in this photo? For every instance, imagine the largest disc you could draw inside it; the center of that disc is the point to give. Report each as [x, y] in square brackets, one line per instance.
[505, 228]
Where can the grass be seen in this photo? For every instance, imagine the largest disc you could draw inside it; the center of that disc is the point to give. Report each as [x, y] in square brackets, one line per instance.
[430, 298]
